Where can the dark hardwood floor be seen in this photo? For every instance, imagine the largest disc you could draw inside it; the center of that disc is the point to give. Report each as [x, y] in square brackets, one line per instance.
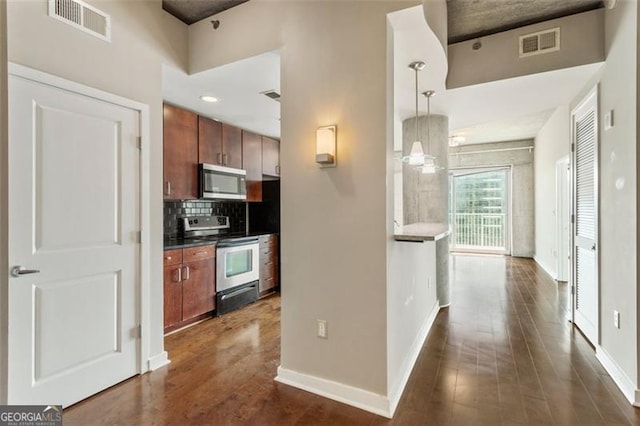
[503, 353]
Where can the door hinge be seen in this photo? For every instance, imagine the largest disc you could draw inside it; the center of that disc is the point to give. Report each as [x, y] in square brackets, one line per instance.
[573, 147]
[139, 142]
[573, 218]
[139, 237]
[140, 331]
[573, 290]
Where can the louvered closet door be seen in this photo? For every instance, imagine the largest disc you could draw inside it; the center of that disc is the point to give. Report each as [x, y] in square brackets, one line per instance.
[585, 271]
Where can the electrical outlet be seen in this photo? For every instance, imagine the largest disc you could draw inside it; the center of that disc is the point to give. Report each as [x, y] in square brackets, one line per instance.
[616, 319]
[322, 329]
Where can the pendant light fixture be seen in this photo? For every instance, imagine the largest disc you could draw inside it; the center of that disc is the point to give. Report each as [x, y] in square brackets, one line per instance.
[416, 155]
[429, 165]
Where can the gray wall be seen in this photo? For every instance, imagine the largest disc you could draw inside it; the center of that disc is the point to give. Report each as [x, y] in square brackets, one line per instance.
[143, 38]
[618, 200]
[581, 42]
[426, 196]
[522, 184]
[3, 200]
[553, 143]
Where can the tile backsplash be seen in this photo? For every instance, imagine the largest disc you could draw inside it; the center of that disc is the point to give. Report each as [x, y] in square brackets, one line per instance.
[174, 211]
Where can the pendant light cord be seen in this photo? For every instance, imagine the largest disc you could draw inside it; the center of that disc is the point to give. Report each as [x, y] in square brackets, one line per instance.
[429, 125]
[417, 139]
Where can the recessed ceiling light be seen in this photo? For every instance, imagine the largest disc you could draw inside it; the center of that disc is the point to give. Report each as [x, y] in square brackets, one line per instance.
[209, 98]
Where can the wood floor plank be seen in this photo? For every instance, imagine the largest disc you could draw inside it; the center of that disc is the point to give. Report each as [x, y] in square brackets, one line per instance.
[503, 353]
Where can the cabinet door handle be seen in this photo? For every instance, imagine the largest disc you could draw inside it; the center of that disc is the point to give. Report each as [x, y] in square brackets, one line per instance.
[168, 190]
[278, 170]
[224, 159]
[186, 273]
[220, 158]
[178, 275]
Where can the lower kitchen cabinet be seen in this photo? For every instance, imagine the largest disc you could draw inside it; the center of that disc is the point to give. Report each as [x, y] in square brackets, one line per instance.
[189, 285]
[268, 263]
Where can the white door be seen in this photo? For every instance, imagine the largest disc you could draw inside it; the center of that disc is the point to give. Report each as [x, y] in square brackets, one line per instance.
[563, 228]
[585, 229]
[74, 217]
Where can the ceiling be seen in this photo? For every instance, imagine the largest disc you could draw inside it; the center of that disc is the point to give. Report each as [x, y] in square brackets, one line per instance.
[469, 19]
[190, 11]
[237, 86]
[498, 111]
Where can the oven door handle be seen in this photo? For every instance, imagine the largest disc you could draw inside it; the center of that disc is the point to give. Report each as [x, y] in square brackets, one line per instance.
[238, 292]
[238, 242]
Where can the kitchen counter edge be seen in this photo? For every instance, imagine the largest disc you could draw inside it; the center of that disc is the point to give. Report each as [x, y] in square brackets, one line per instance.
[185, 243]
[418, 232]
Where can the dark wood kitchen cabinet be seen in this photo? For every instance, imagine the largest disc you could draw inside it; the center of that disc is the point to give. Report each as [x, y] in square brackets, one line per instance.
[252, 163]
[180, 152]
[219, 143]
[231, 146]
[209, 141]
[270, 157]
[269, 264]
[189, 285]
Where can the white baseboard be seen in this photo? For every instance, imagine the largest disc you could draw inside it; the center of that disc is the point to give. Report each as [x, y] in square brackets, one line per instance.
[619, 377]
[410, 360]
[159, 360]
[545, 267]
[360, 398]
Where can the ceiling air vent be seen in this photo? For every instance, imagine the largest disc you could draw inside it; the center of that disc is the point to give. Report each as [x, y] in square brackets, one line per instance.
[82, 16]
[540, 42]
[272, 94]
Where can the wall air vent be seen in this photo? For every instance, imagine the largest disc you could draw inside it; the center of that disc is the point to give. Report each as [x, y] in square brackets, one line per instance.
[82, 16]
[541, 42]
[272, 94]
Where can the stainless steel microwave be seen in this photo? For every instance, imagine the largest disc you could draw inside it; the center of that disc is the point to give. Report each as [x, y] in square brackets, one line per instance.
[222, 183]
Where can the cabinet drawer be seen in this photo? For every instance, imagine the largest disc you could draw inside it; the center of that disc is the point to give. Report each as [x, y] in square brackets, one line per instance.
[172, 257]
[198, 253]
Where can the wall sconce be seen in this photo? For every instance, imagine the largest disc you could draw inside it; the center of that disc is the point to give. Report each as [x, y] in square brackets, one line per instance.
[326, 146]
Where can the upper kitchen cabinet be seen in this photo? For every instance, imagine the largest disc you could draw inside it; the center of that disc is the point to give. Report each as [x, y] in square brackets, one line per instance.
[219, 143]
[231, 146]
[252, 163]
[180, 149]
[270, 157]
[209, 141]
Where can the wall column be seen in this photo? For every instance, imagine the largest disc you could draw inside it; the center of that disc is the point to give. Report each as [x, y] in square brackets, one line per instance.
[426, 196]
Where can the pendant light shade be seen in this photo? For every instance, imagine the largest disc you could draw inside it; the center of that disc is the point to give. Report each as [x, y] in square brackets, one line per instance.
[416, 155]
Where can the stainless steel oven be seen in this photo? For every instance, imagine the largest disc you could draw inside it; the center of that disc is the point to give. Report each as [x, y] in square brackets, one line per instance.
[237, 273]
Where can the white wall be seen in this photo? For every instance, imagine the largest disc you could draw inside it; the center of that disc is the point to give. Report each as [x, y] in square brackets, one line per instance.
[3, 201]
[411, 306]
[580, 43]
[143, 37]
[552, 143]
[334, 221]
[618, 153]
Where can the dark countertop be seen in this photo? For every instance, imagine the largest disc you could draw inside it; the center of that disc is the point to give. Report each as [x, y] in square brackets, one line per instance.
[180, 243]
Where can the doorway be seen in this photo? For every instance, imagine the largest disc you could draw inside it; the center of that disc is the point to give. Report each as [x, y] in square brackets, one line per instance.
[562, 250]
[77, 211]
[479, 210]
[584, 277]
